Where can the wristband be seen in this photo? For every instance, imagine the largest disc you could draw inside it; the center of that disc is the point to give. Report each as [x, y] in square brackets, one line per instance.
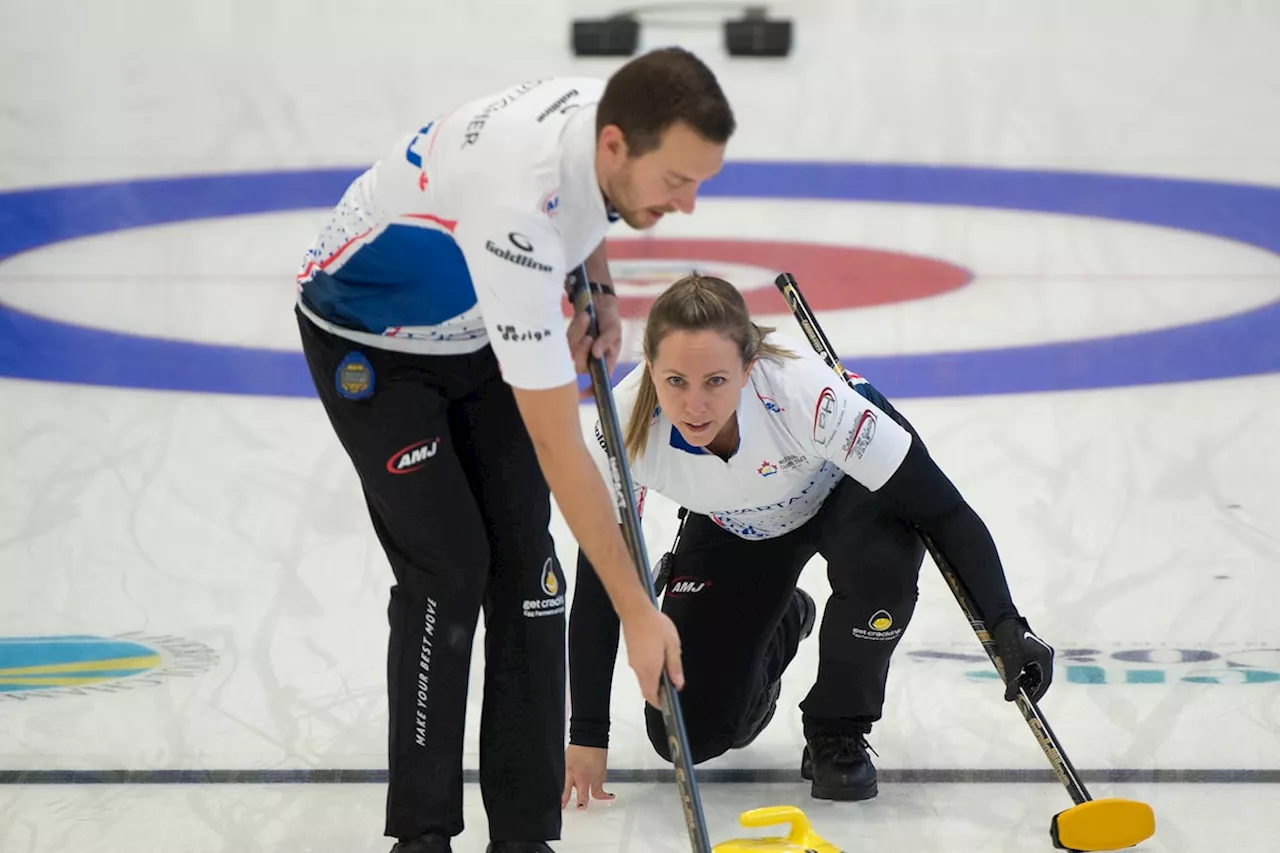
[597, 287]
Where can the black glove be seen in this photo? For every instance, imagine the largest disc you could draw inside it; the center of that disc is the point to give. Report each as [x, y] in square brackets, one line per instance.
[1027, 659]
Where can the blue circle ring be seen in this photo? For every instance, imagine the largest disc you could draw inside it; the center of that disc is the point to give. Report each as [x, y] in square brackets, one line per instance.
[1248, 343]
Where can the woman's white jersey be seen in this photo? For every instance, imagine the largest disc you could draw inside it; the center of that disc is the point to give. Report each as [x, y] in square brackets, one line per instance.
[800, 431]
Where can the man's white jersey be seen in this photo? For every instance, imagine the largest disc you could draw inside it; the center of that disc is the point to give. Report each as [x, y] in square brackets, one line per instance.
[462, 235]
[800, 431]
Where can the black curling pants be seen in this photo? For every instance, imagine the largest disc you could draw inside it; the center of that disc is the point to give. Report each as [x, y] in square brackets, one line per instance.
[733, 602]
[462, 511]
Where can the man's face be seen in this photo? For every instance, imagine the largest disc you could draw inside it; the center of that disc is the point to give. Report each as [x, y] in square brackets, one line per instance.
[666, 179]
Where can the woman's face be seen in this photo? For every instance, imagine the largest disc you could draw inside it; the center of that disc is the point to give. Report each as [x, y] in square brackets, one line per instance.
[699, 377]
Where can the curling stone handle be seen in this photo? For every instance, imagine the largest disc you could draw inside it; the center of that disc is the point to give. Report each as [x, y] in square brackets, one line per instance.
[770, 815]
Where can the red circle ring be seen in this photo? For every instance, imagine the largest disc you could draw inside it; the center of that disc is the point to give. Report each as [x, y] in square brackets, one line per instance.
[833, 277]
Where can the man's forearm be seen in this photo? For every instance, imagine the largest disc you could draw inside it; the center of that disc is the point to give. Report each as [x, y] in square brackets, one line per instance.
[551, 418]
[586, 504]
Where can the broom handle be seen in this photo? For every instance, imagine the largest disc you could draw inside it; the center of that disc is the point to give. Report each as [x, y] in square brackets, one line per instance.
[624, 494]
[1044, 735]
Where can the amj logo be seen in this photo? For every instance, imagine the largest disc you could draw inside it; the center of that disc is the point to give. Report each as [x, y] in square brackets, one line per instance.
[78, 664]
[411, 458]
[687, 586]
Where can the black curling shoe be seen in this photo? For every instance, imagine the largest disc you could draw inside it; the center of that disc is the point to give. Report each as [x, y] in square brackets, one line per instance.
[839, 767]
[429, 843]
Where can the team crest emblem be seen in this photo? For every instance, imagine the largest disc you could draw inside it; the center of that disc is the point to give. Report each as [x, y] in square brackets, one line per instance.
[354, 377]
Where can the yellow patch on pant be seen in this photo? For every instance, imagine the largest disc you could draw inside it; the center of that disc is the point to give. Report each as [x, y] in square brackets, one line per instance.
[550, 583]
[881, 620]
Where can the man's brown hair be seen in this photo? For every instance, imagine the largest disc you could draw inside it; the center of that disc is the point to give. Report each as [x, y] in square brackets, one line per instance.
[658, 89]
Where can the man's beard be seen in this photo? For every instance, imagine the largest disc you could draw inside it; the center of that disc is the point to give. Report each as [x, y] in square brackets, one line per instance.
[617, 199]
[633, 219]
